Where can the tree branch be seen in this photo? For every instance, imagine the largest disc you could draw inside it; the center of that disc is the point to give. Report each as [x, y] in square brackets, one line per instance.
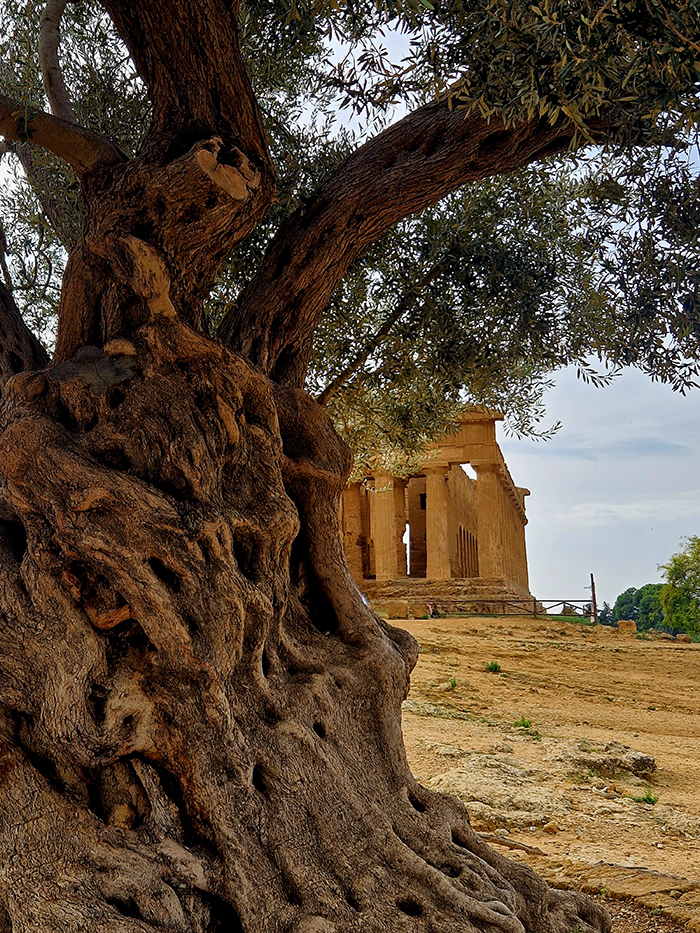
[3, 253]
[189, 58]
[81, 148]
[408, 297]
[203, 105]
[403, 170]
[49, 41]
[19, 348]
[37, 176]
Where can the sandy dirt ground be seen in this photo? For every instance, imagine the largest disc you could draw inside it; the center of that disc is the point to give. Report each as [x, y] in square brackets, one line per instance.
[550, 751]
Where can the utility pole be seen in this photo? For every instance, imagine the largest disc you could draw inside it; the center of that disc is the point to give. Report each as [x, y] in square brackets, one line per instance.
[594, 605]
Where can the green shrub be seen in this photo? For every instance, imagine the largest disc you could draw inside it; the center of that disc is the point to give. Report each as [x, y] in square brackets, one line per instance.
[648, 797]
[493, 666]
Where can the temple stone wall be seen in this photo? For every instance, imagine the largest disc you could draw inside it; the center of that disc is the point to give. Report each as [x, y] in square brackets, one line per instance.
[462, 524]
[460, 528]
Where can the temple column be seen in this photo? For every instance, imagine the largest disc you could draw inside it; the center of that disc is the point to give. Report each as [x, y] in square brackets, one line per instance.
[522, 548]
[400, 521]
[436, 524]
[522, 560]
[503, 554]
[509, 536]
[384, 526]
[517, 534]
[352, 529]
[488, 518]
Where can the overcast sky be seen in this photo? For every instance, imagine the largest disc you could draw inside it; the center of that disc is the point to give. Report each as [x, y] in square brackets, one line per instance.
[614, 491]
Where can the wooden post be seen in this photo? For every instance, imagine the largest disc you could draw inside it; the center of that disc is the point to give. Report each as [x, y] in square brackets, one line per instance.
[593, 602]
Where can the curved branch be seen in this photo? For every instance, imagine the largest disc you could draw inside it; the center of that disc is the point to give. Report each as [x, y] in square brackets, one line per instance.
[403, 170]
[37, 175]
[81, 148]
[359, 359]
[49, 40]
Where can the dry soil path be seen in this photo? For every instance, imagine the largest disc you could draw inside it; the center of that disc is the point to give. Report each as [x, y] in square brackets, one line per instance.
[550, 751]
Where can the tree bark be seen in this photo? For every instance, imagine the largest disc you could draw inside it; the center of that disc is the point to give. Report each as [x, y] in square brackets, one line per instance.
[202, 182]
[19, 348]
[186, 215]
[189, 58]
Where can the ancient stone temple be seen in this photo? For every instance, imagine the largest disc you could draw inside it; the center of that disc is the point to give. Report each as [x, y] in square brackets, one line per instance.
[466, 537]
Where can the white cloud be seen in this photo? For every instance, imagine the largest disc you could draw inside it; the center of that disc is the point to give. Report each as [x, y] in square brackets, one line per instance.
[592, 514]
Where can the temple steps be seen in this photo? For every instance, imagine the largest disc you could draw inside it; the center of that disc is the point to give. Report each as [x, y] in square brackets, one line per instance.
[460, 594]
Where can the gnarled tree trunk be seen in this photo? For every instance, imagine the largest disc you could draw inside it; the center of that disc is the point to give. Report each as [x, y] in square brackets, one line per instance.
[200, 721]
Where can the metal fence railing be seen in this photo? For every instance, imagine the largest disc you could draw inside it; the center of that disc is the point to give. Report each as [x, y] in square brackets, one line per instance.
[513, 605]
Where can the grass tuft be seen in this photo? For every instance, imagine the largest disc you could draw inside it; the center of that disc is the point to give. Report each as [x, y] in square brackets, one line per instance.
[648, 797]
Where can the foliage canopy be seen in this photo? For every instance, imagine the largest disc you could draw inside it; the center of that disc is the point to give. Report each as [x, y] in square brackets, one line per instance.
[680, 594]
[641, 605]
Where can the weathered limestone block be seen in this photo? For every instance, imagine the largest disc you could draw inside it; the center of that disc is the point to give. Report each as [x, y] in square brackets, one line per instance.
[419, 609]
[681, 636]
[500, 794]
[607, 760]
[393, 608]
[627, 627]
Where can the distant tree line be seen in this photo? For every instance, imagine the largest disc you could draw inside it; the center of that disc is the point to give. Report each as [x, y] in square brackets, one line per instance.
[642, 606]
[673, 605]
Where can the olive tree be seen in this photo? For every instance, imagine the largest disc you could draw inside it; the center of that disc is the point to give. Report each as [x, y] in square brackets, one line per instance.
[200, 720]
